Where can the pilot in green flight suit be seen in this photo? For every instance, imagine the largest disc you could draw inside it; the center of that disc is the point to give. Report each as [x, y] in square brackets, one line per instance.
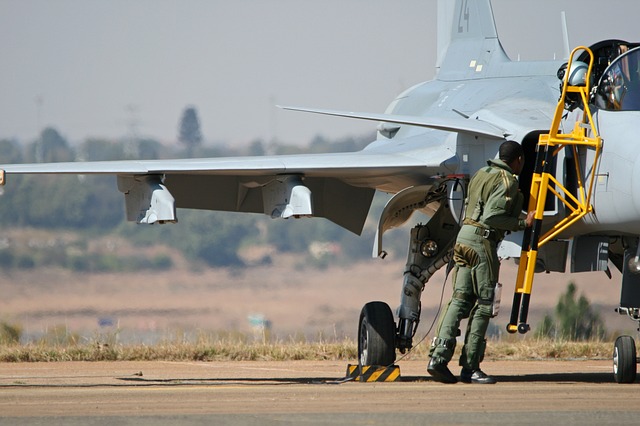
[493, 207]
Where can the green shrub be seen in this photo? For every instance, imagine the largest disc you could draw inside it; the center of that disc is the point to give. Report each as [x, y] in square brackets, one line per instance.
[574, 319]
[10, 333]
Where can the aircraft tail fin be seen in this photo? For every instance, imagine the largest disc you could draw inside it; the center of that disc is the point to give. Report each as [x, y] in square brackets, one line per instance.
[468, 44]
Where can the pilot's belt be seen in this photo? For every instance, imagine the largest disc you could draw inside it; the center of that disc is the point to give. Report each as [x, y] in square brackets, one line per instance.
[489, 234]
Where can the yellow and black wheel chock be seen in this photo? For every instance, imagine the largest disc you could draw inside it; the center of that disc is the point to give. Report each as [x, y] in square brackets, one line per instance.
[373, 373]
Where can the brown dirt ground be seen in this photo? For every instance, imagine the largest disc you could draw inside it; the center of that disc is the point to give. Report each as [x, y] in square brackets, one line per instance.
[294, 298]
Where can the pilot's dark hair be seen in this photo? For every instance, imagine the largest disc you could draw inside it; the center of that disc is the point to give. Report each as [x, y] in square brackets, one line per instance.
[510, 151]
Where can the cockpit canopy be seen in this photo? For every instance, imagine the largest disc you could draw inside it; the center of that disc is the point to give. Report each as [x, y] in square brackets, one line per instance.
[618, 87]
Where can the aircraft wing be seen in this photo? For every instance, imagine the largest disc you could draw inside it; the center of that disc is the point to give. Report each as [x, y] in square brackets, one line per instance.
[337, 186]
[452, 124]
[340, 165]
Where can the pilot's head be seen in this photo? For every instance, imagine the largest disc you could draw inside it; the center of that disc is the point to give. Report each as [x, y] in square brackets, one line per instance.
[512, 154]
[578, 73]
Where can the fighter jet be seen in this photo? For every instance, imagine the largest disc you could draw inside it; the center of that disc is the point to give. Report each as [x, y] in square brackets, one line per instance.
[430, 140]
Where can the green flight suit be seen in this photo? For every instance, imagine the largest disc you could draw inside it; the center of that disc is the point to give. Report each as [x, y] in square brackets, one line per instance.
[493, 206]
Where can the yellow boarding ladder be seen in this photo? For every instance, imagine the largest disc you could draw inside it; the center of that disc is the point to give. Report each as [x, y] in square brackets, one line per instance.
[543, 182]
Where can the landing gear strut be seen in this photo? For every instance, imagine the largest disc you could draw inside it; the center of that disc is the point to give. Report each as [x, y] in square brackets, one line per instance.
[429, 250]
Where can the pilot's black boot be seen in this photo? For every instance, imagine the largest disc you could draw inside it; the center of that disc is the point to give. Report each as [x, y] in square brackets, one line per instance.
[477, 376]
[441, 372]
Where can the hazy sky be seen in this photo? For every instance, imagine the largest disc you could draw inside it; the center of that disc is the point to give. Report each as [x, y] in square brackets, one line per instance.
[104, 68]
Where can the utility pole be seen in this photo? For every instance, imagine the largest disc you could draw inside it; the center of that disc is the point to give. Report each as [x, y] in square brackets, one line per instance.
[39, 100]
[133, 123]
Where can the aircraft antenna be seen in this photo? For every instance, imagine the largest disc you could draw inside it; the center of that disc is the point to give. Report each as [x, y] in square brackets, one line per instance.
[565, 35]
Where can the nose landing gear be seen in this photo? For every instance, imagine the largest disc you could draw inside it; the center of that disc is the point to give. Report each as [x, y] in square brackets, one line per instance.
[625, 361]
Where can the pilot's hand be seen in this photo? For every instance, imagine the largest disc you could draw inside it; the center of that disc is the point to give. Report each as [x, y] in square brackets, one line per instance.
[529, 220]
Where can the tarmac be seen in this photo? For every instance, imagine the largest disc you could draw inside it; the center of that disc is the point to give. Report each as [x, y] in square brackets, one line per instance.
[309, 392]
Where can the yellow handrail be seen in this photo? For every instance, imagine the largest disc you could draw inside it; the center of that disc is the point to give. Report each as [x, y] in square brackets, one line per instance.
[543, 183]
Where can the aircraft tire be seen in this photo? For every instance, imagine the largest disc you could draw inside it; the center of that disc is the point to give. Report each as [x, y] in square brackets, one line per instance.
[624, 360]
[376, 335]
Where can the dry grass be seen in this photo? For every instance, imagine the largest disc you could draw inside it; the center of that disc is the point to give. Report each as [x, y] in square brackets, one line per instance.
[549, 349]
[181, 352]
[533, 349]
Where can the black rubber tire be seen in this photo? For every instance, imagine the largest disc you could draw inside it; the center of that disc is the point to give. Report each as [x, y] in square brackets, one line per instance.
[624, 360]
[376, 335]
